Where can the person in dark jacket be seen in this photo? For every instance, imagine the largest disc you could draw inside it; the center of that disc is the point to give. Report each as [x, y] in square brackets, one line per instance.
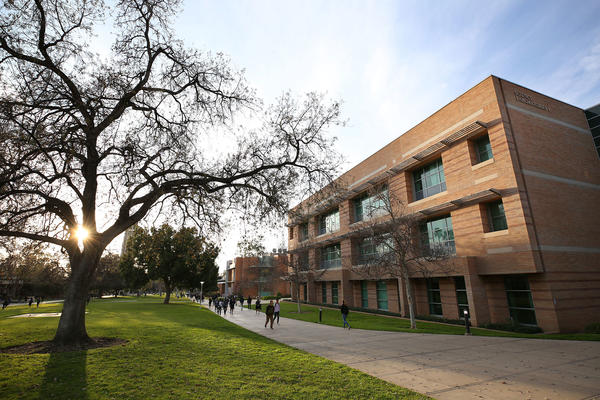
[269, 311]
[345, 311]
[258, 306]
[249, 302]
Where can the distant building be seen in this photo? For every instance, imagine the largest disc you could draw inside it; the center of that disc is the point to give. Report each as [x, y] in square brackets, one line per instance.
[257, 276]
[508, 180]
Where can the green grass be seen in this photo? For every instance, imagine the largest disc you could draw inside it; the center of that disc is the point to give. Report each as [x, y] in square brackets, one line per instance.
[176, 351]
[374, 322]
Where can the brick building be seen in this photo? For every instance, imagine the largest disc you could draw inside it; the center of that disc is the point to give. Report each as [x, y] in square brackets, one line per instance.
[510, 180]
[257, 276]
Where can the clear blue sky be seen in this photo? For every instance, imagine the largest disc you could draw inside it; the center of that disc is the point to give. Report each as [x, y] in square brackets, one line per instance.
[393, 63]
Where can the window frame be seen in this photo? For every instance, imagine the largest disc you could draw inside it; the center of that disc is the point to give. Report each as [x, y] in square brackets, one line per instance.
[324, 292]
[460, 286]
[367, 206]
[514, 310]
[422, 175]
[427, 238]
[483, 149]
[364, 294]
[493, 218]
[326, 261]
[327, 225]
[381, 288]
[334, 293]
[430, 297]
[303, 232]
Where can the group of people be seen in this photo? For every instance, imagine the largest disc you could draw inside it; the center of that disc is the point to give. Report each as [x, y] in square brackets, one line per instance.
[221, 305]
[29, 300]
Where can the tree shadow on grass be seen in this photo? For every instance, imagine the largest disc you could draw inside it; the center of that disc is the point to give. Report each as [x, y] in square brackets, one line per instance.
[65, 376]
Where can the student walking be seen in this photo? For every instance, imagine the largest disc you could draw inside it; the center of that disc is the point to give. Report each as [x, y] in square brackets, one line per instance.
[224, 304]
[209, 302]
[231, 304]
[277, 309]
[30, 301]
[258, 306]
[345, 311]
[37, 300]
[6, 302]
[249, 303]
[269, 313]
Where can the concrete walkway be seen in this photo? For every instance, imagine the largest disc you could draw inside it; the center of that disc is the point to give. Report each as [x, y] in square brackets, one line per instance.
[447, 366]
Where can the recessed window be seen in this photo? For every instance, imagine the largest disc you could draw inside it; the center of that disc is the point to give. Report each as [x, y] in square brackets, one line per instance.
[329, 222]
[374, 249]
[496, 216]
[323, 292]
[382, 295]
[364, 294]
[334, 293]
[437, 237]
[371, 205]
[434, 297]
[303, 232]
[461, 296]
[291, 234]
[520, 302]
[331, 256]
[483, 149]
[429, 180]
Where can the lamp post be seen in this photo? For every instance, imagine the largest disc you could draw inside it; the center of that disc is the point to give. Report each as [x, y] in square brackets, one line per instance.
[201, 291]
[467, 325]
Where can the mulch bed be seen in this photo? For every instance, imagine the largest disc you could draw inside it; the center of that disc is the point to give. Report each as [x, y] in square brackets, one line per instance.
[51, 347]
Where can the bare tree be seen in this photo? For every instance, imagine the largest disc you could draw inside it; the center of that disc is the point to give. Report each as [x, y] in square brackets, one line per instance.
[392, 245]
[102, 141]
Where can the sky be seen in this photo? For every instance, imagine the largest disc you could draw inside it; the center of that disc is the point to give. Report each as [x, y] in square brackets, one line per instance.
[394, 63]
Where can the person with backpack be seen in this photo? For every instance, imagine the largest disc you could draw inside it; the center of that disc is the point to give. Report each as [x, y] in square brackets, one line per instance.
[344, 309]
[258, 307]
[270, 310]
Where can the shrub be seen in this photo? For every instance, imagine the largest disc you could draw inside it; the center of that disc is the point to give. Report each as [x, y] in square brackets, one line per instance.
[593, 328]
[513, 327]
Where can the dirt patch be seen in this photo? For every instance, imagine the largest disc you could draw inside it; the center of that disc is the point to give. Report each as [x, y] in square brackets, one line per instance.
[51, 347]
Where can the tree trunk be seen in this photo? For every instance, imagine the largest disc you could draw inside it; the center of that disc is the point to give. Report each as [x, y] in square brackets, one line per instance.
[298, 296]
[71, 326]
[167, 292]
[411, 305]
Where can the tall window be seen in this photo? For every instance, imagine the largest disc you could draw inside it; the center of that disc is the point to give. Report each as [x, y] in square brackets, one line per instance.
[323, 292]
[520, 302]
[303, 231]
[496, 216]
[461, 296]
[364, 294]
[329, 222]
[331, 256]
[334, 292]
[429, 180]
[434, 297]
[382, 296]
[371, 205]
[305, 292]
[437, 236]
[483, 149]
[374, 248]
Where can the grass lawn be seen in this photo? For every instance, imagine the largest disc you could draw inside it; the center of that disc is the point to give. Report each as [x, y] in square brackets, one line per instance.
[383, 323]
[176, 351]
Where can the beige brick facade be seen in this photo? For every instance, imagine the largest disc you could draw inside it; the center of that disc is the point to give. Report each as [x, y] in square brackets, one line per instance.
[546, 172]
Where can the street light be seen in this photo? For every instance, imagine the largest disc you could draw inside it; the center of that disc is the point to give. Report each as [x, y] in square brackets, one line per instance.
[467, 327]
[201, 291]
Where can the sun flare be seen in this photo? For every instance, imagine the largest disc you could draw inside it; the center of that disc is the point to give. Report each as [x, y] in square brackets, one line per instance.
[81, 233]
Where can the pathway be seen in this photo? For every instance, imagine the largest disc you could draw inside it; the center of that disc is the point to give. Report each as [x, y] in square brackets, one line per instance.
[449, 366]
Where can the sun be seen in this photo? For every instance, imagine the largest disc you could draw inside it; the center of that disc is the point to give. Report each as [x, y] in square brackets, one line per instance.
[81, 233]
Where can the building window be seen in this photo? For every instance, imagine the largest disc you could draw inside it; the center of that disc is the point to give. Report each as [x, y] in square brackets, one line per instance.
[496, 217]
[374, 249]
[329, 222]
[461, 296]
[323, 292]
[303, 232]
[364, 294]
[331, 256]
[434, 297]
[382, 296]
[334, 292]
[520, 302]
[371, 205]
[429, 180]
[437, 237]
[483, 149]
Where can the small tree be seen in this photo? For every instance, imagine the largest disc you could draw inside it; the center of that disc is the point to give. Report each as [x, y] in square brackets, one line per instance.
[392, 245]
[108, 276]
[179, 258]
[298, 271]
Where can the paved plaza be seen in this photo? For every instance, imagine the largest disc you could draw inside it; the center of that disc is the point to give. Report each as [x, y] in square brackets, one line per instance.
[447, 366]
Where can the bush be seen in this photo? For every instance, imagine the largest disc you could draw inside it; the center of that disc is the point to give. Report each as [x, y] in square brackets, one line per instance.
[513, 327]
[593, 328]
[277, 296]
